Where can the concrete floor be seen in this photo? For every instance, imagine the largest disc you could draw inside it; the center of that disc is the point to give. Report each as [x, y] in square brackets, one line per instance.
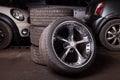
[15, 64]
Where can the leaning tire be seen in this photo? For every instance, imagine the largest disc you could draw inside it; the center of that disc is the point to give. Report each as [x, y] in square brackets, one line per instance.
[110, 35]
[63, 41]
[35, 33]
[37, 56]
[43, 16]
[5, 35]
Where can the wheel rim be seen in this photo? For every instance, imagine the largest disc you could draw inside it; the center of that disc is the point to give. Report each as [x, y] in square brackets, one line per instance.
[72, 44]
[2, 36]
[113, 35]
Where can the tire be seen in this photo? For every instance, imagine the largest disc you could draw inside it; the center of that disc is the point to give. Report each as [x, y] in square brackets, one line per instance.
[37, 56]
[110, 35]
[5, 35]
[56, 40]
[43, 16]
[35, 33]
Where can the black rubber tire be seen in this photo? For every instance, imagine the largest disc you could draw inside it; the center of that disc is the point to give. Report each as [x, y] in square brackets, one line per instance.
[35, 33]
[37, 56]
[103, 33]
[43, 16]
[52, 61]
[7, 33]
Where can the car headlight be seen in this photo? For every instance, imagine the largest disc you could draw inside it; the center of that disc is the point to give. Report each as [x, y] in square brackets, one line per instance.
[17, 14]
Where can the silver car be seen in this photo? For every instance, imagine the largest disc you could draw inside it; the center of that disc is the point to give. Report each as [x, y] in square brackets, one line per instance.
[14, 24]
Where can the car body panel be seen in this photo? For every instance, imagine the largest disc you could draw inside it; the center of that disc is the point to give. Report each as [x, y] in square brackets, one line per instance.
[110, 11]
[19, 24]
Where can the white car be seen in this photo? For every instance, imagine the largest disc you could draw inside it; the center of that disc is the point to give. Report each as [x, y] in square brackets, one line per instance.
[14, 25]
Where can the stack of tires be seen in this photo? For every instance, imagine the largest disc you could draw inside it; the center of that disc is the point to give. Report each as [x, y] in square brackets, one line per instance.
[40, 18]
[59, 41]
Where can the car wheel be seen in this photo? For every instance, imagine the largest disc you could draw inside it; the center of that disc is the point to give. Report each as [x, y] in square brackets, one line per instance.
[37, 56]
[69, 46]
[110, 35]
[5, 35]
[43, 16]
[35, 33]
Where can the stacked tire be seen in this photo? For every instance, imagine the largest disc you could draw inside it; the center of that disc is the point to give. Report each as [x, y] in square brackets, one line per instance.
[40, 18]
[59, 41]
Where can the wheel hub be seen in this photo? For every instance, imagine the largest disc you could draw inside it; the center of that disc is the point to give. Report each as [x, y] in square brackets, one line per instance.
[72, 44]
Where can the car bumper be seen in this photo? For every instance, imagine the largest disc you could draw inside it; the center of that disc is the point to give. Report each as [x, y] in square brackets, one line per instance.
[23, 29]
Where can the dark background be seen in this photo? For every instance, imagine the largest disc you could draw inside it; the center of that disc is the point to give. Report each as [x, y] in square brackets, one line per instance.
[23, 3]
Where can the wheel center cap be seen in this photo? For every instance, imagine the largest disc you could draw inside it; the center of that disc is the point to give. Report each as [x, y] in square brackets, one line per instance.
[72, 44]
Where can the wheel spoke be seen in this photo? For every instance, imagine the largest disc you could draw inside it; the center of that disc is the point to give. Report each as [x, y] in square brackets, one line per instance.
[0, 38]
[81, 31]
[109, 32]
[0, 31]
[65, 54]
[1, 34]
[80, 57]
[119, 40]
[110, 38]
[114, 29]
[60, 38]
[118, 30]
[71, 32]
[113, 43]
[85, 40]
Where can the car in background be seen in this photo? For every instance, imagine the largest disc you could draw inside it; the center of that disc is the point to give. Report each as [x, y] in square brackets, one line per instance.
[14, 24]
[103, 16]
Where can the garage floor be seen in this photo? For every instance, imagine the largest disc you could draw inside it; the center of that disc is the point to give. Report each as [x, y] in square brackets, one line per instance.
[15, 64]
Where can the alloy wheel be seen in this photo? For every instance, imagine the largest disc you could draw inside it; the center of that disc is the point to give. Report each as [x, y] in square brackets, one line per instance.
[113, 35]
[73, 44]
